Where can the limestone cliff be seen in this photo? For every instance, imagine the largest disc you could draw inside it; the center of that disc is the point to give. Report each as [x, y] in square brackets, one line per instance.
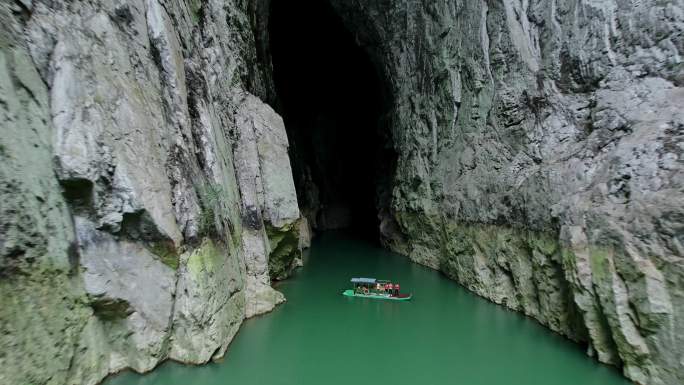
[147, 202]
[128, 204]
[540, 161]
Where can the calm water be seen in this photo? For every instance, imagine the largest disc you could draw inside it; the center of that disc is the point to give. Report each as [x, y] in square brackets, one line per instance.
[445, 335]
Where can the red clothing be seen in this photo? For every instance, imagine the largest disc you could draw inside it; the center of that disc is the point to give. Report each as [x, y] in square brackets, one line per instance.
[396, 287]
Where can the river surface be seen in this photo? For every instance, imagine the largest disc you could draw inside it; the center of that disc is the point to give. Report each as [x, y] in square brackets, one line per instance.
[445, 335]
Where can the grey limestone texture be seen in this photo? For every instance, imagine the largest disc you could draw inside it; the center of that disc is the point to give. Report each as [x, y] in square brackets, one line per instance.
[126, 232]
[147, 200]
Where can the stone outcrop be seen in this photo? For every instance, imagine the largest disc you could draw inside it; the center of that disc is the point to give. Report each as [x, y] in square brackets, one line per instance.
[540, 161]
[271, 228]
[125, 233]
[210, 302]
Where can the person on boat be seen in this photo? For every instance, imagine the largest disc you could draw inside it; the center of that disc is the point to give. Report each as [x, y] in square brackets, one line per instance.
[388, 288]
[396, 289]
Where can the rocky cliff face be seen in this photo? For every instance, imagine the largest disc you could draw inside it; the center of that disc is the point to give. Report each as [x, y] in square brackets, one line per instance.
[147, 202]
[540, 161]
[143, 186]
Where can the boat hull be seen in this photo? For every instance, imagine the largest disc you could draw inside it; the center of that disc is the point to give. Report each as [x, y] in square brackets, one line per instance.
[402, 297]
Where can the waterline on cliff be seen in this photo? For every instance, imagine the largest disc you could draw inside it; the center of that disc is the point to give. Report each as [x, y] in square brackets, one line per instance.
[444, 335]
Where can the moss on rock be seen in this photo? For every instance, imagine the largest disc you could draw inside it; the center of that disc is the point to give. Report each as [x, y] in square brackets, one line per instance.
[205, 258]
[284, 246]
[167, 253]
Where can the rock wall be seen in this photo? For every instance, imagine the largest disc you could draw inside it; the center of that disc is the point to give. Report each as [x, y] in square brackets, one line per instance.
[271, 230]
[539, 149]
[128, 229]
[540, 161]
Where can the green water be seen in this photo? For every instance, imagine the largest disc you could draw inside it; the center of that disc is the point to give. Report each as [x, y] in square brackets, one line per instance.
[445, 335]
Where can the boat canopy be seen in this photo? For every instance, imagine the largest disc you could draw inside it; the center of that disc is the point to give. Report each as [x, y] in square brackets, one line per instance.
[363, 280]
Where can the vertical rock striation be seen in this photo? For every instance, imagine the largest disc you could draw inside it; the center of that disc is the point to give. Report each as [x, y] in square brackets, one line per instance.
[270, 232]
[42, 296]
[540, 161]
[125, 232]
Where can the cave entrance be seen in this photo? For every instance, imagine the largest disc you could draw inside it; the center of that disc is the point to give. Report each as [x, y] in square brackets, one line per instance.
[332, 100]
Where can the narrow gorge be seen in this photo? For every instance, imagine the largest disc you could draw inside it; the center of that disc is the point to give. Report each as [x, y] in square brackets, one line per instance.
[164, 163]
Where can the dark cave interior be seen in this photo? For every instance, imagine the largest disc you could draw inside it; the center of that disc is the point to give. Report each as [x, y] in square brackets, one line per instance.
[332, 100]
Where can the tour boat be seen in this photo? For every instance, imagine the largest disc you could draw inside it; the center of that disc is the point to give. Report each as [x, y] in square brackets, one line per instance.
[376, 289]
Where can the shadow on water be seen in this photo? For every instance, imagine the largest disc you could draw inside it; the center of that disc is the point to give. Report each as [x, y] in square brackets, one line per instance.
[445, 335]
